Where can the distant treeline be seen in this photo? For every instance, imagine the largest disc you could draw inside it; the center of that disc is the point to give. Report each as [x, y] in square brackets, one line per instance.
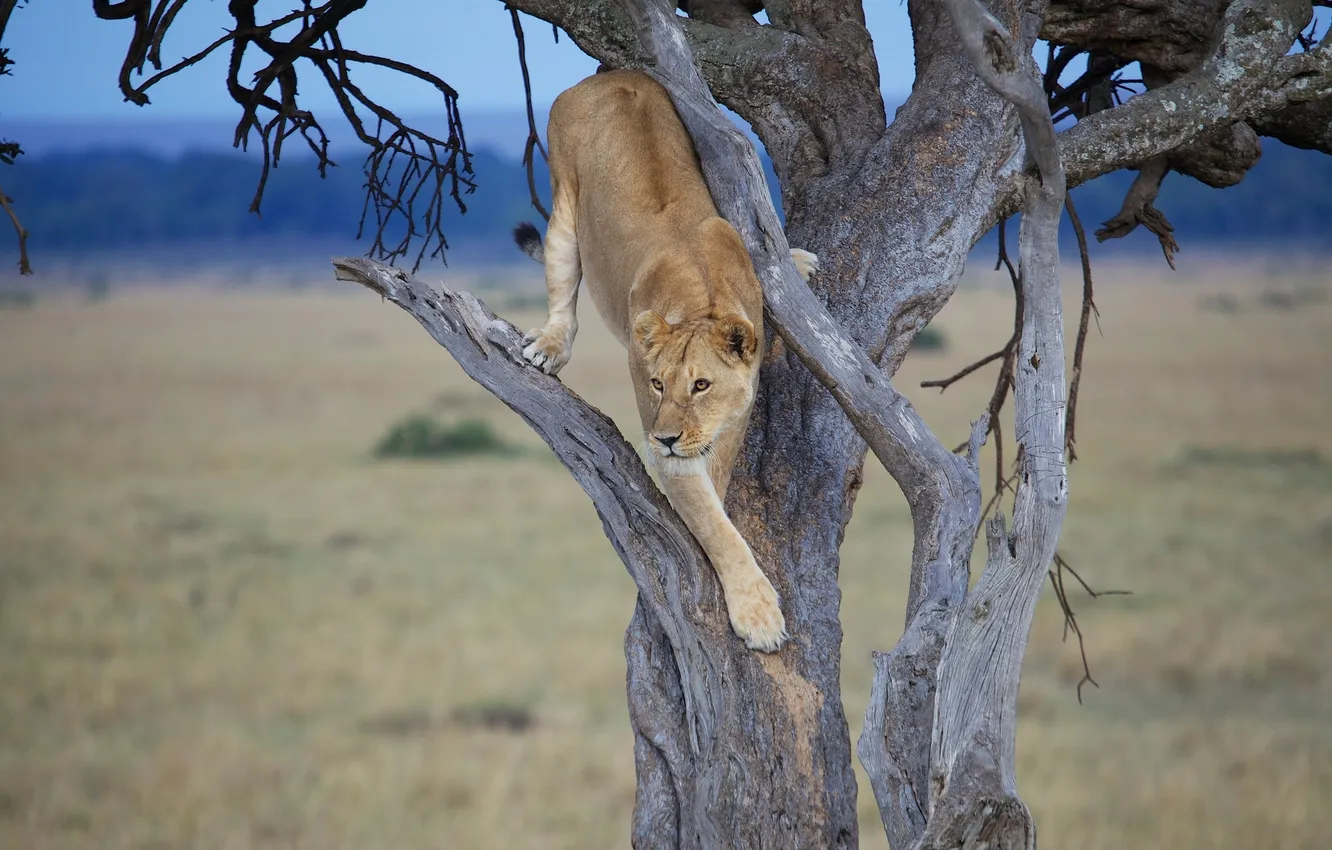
[132, 200]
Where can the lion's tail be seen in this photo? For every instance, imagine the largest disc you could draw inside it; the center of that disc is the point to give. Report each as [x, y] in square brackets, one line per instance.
[529, 240]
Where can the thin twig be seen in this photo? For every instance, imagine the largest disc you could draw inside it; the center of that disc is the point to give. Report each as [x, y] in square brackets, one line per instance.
[24, 266]
[1070, 618]
[419, 169]
[1004, 382]
[533, 138]
[1088, 308]
[945, 383]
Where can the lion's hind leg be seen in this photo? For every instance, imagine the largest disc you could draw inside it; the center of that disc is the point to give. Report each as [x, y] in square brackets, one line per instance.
[805, 262]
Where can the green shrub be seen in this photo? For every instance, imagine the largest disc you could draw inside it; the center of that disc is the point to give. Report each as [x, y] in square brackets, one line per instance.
[496, 715]
[1283, 467]
[98, 286]
[526, 301]
[929, 339]
[16, 299]
[423, 436]
[1242, 457]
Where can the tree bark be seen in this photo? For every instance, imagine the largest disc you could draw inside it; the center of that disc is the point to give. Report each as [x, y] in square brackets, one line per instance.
[736, 748]
[800, 701]
[741, 749]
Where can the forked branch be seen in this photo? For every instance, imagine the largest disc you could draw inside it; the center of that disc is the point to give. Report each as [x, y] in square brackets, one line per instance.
[934, 480]
[1138, 208]
[943, 490]
[972, 787]
[658, 550]
[1250, 73]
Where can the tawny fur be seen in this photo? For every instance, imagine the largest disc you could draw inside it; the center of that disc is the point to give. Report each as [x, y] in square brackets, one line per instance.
[632, 217]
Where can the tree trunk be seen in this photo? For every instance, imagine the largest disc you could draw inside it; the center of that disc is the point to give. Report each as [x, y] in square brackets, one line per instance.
[793, 490]
[742, 749]
[737, 748]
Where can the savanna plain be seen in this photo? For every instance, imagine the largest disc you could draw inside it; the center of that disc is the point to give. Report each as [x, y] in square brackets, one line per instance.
[226, 623]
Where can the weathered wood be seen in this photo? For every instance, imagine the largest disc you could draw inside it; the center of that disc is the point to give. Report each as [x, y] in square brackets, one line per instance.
[659, 552]
[722, 775]
[937, 484]
[1247, 74]
[737, 749]
[942, 490]
[974, 800]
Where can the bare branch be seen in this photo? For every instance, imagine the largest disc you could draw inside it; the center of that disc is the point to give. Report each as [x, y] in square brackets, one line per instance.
[6, 9]
[945, 383]
[6, 202]
[1004, 380]
[1079, 348]
[1138, 209]
[533, 137]
[656, 547]
[973, 788]
[1061, 566]
[1247, 74]
[408, 172]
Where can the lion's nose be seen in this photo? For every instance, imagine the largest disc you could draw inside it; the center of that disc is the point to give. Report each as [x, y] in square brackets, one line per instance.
[667, 441]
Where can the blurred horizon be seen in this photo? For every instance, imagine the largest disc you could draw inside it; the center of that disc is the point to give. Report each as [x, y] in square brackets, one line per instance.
[168, 192]
[54, 108]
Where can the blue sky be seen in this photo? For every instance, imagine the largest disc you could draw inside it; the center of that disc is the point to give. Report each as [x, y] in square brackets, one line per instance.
[67, 60]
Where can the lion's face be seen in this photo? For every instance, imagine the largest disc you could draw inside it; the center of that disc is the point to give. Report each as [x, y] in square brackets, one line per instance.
[701, 375]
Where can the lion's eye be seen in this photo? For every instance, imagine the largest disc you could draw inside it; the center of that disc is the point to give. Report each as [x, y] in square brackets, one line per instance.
[700, 385]
[656, 385]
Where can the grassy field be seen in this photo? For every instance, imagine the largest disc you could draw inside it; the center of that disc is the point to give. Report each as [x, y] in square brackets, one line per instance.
[225, 624]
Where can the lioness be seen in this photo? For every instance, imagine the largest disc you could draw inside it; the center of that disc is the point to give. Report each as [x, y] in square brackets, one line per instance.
[632, 215]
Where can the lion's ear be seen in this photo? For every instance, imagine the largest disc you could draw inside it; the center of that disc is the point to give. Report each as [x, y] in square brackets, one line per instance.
[651, 332]
[734, 337]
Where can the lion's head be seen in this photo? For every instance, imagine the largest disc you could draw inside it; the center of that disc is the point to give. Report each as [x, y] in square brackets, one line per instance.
[701, 374]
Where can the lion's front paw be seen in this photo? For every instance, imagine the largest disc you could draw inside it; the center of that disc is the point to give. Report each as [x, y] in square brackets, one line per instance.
[756, 614]
[805, 262]
[548, 348]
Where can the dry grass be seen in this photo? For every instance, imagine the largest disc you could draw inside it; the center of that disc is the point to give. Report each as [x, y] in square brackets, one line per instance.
[223, 624]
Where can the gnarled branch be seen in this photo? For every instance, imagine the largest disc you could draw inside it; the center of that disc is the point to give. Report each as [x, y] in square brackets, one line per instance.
[971, 790]
[656, 547]
[768, 75]
[409, 172]
[941, 488]
[1138, 209]
[1236, 68]
[1247, 74]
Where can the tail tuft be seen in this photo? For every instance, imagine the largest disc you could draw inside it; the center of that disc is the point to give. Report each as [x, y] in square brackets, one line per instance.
[529, 240]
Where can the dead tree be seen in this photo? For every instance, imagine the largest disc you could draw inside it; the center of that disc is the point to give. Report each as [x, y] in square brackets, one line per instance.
[741, 749]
